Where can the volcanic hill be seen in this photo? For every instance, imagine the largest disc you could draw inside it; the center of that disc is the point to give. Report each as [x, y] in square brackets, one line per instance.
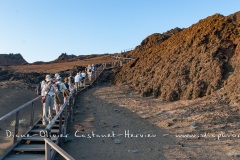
[189, 63]
[11, 59]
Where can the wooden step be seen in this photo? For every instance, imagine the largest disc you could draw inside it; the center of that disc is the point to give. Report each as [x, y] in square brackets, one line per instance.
[59, 120]
[38, 138]
[30, 147]
[42, 131]
[41, 125]
[25, 157]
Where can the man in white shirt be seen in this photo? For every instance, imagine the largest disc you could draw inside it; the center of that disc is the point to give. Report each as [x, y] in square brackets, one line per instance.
[89, 72]
[83, 75]
[77, 81]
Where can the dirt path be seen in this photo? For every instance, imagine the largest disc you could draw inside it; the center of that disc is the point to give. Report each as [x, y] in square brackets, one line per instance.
[108, 109]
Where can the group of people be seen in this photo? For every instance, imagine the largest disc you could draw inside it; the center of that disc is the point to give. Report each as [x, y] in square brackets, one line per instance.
[80, 77]
[55, 91]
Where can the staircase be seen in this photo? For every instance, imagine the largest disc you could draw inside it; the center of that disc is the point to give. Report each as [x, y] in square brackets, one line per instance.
[32, 146]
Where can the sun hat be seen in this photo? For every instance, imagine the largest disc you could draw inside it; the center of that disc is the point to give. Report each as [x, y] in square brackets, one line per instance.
[48, 79]
[58, 77]
[48, 76]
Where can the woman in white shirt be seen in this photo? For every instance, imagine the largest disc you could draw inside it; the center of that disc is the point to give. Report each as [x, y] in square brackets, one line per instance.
[49, 92]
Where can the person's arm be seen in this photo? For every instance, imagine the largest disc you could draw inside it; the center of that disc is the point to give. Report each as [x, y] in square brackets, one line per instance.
[44, 90]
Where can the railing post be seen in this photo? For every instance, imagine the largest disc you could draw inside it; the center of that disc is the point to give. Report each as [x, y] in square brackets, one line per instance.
[95, 73]
[66, 113]
[47, 151]
[32, 114]
[71, 109]
[121, 63]
[16, 127]
[60, 124]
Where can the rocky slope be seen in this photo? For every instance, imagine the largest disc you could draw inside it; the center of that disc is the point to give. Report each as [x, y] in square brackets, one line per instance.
[189, 63]
[11, 59]
[64, 57]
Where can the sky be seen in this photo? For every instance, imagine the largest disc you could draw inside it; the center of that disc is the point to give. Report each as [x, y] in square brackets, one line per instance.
[43, 29]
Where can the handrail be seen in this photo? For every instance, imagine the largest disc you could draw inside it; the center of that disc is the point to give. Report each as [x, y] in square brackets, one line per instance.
[49, 144]
[16, 112]
[18, 109]
[118, 57]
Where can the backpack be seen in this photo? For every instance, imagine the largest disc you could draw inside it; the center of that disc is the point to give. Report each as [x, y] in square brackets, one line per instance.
[67, 86]
[71, 79]
[58, 86]
[39, 89]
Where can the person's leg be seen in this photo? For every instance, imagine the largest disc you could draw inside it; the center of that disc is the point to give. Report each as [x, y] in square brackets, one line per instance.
[46, 108]
[80, 83]
[56, 102]
[44, 114]
[51, 108]
[65, 99]
[57, 108]
[76, 84]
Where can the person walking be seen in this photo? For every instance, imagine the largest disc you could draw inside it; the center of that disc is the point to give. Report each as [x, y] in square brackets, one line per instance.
[48, 92]
[71, 81]
[66, 93]
[89, 72]
[83, 75]
[93, 71]
[59, 96]
[77, 81]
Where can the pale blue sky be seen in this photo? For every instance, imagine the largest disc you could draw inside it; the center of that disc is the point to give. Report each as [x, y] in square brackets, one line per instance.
[43, 29]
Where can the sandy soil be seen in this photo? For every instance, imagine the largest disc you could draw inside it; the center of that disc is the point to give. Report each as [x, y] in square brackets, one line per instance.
[57, 67]
[107, 109]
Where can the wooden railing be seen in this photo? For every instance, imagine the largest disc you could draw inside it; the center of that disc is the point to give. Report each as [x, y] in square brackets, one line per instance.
[16, 112]
[49, 144]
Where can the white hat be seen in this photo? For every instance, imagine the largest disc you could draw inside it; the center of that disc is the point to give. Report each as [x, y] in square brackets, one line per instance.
[48, 79]
[48, 76]
[58, 77]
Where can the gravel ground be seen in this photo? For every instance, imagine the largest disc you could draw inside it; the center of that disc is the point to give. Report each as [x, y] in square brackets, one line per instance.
[123, 117]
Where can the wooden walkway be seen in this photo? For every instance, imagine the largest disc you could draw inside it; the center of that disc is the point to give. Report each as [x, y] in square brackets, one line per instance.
[41, 142]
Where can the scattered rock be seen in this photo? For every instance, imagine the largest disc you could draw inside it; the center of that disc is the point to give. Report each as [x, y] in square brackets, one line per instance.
[169, 124]
[115, 125]
[193, 125]
[135, 151]
[117, 141]
[233, 154]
